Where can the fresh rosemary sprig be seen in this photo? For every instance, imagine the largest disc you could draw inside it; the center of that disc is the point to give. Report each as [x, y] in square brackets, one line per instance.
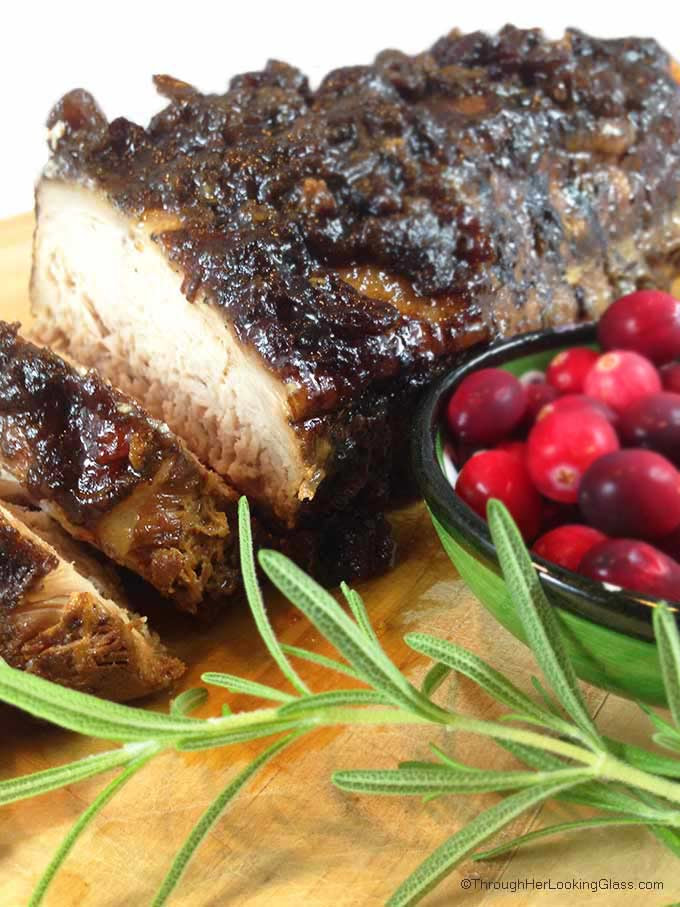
[554, 737]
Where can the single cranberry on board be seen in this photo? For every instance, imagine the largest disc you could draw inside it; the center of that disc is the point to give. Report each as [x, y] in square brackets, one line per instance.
[486, 407]
[499, 474]
[573, 402]
[654, 422]
[567, 371]
[562, 445]
[633, 565]
[566, 545]
[647, 321]
[631, 493]
[621, 377]
[670, 377]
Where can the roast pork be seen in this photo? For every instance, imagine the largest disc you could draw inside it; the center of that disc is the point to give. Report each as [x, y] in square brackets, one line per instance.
[277, 271]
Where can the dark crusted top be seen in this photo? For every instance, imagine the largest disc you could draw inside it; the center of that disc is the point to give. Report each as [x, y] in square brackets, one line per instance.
[22, 564]
[452, 173]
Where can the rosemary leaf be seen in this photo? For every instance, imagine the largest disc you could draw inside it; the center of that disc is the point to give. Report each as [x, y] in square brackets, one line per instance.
[42, 782]
[367, 658]
[82, 823]
[211, 816]
[583, 824]
[213, 739]
[548, 700]
[254, 596]
[486, 677]
[358, 609]
[250, 687]
[453, 763]
[669, 837]
[540, 625]
[188, 701]
[669, 741]
[331, 699]
[447, 856]
[321, 660]
[434, 678]
[663, 726]
[436, 779]
[87, 714]
[668, 644]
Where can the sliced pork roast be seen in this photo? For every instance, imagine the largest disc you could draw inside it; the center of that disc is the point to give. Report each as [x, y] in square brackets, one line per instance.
[277, 271]
[64, 616]
[114, 477]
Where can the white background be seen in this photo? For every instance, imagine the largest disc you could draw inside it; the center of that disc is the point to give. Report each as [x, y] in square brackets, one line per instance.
[113, 47]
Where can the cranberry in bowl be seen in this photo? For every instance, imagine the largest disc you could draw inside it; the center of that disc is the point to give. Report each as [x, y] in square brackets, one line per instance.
[608, 627]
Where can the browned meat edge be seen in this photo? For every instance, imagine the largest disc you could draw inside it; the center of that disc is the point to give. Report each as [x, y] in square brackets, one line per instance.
[64, 630]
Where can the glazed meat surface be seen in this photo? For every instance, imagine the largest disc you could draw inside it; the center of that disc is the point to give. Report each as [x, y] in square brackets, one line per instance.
[318, 256]
[64, 616]
[112, 476]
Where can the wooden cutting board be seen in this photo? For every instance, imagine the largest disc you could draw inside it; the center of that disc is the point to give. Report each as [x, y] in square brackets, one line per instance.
[292, 839]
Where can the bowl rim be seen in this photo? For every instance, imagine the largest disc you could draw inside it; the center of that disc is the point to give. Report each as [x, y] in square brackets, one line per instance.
[623, 611]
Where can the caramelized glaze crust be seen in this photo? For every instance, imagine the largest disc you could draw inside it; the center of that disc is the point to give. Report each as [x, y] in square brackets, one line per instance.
[360, 231]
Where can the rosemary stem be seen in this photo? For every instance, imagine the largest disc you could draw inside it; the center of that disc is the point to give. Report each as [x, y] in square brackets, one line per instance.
[383, 715]
[615, 770]
[528, 738]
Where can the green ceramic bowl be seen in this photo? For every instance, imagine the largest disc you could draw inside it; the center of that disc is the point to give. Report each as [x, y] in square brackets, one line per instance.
[608, 631]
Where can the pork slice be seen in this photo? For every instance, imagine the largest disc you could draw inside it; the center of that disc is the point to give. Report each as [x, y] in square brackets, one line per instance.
[105, 294]
[114, 477]
[64, 616]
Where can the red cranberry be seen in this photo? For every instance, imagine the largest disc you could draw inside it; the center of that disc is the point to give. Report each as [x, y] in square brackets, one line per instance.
[566, 545]
[461, 453]
[632, 493]
[573, 402]
[670, 544]
[647, 322]
[654, 422]
[486, 407]
[539, 394]
[633, 565]
[568, 370]
[670, 376]
[557, 514]
[620, 378]
[517, 449]
[499, 474]
[562, 445]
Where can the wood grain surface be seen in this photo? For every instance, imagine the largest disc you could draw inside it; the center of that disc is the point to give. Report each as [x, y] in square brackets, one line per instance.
[292, 839]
